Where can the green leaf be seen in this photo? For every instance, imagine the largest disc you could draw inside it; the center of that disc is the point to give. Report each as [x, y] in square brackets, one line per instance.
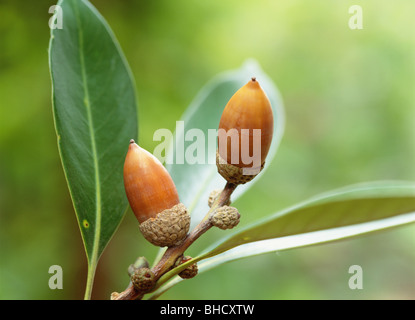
[95, 114]
[195, 181]
[339, 214]
[349, 206]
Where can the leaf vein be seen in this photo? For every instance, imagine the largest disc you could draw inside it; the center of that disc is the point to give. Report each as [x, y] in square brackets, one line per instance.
[87, 103]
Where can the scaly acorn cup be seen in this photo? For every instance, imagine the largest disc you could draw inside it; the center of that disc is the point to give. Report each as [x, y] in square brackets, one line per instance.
[143, 279]
[153, 197]
[245, 134]
[225, 217]
[191, 271]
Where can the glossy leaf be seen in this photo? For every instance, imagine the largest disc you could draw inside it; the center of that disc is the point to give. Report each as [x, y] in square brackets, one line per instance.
[336, 215]
[95, 113]
[195, 181]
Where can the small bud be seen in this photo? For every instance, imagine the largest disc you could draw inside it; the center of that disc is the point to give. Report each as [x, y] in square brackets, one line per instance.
[245, 134]
[214, 195]
[143, 279]
[114, 295]
[225, 217]
[153, 197]
[140, 262]
[190, 271]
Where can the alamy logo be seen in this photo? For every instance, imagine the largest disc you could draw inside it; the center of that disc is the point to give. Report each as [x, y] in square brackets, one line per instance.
[56, 21]
[56, 280]
[239, 147]
[356, 280]
[356, 20]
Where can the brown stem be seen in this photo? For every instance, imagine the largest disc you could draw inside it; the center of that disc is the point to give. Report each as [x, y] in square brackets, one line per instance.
[172, 253]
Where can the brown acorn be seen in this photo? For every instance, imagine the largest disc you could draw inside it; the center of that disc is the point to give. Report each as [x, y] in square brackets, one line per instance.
[153, 198]
[245, 134]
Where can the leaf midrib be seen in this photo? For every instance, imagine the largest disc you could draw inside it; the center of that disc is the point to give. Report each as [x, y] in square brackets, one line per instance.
[86, 101]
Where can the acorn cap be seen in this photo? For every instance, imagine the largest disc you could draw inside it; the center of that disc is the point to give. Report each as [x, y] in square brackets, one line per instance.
[143, 279]
[225, 217]
[234, 174]
[191, 271]
[168, 228]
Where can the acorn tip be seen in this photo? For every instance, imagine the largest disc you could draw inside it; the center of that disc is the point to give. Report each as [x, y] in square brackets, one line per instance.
[253, 79]
[132, 141]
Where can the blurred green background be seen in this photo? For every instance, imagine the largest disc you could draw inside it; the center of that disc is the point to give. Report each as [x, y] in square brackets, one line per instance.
[350, 108]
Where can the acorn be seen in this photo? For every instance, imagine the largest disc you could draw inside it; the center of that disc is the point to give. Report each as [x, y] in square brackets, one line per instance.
[245, 134]
[154, 199]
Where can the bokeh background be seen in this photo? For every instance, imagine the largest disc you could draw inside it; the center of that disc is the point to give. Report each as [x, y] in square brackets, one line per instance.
[350, 108]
